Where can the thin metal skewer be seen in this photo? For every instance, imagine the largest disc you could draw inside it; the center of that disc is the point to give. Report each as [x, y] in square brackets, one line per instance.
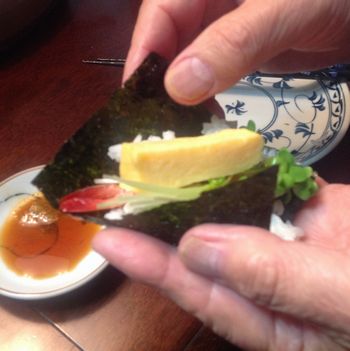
[106, 62]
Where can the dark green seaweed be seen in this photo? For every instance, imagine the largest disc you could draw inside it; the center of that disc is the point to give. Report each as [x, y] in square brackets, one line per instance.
[143, 107]
[246, 202]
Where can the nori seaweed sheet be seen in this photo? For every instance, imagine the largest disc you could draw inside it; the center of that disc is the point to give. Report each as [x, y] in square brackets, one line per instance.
[142, 106]
[247, 202]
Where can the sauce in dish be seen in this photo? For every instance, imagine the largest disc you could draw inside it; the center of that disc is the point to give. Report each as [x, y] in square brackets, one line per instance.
[40, 242]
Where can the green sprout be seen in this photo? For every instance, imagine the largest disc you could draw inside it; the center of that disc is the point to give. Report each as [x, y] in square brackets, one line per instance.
[251, 126]
[293, 178]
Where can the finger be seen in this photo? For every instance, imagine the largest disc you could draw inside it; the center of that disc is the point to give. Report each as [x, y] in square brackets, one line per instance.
[163, 26]
[321, 182]
[236, 44]
[167, 26]
[304, 281]
[150, 261]
[324, 220]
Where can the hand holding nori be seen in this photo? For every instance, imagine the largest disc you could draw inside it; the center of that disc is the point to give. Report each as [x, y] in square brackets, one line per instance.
[142, 106]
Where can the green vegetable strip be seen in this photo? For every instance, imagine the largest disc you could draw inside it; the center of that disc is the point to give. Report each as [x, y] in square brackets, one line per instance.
[188, 193]
[292, 179]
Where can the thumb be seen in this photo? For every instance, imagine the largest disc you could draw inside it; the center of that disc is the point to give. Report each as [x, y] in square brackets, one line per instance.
[303, 281]
[236, 44]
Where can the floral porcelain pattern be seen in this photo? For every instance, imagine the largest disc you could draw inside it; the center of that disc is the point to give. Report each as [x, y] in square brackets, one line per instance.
[308, 117]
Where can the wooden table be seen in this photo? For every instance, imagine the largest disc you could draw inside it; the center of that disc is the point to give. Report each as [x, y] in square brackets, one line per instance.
[46, 93]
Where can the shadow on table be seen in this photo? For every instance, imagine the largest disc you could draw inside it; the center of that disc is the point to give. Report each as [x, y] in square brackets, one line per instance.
[86, 298]
[39, 33]
[206, 340]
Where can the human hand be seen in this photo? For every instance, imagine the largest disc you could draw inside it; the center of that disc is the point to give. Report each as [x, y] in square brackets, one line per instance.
[258, 291]
[215, 43]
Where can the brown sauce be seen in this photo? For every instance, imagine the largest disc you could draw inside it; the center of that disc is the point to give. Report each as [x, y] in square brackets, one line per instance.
[44, 250]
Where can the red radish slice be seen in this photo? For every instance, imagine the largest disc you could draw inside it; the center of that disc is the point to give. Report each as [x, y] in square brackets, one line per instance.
[87, 199]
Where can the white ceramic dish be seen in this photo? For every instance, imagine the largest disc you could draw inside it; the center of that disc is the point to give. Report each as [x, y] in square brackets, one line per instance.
[16, 286]
[308, 117]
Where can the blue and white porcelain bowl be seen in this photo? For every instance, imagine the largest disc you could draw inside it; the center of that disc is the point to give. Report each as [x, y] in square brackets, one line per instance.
[309, 117]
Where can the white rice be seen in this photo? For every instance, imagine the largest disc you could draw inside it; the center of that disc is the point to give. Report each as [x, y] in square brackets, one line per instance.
[285, 230]
[105, 180]
[114, 151]
[216, 124]
[115, 215]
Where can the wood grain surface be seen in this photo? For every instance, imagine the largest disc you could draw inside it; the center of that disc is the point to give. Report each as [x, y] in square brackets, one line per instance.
[46, 93]
[21, 328]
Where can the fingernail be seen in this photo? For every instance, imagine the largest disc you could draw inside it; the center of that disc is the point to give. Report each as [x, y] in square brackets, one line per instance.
[190, 79]
[201, 256]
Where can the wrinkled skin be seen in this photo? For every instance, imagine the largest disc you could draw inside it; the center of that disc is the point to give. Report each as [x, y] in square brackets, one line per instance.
[214, 43]
[258, 291]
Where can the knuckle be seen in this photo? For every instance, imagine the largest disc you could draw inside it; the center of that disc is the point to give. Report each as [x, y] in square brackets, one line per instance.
[264, 280]
[236, 39]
